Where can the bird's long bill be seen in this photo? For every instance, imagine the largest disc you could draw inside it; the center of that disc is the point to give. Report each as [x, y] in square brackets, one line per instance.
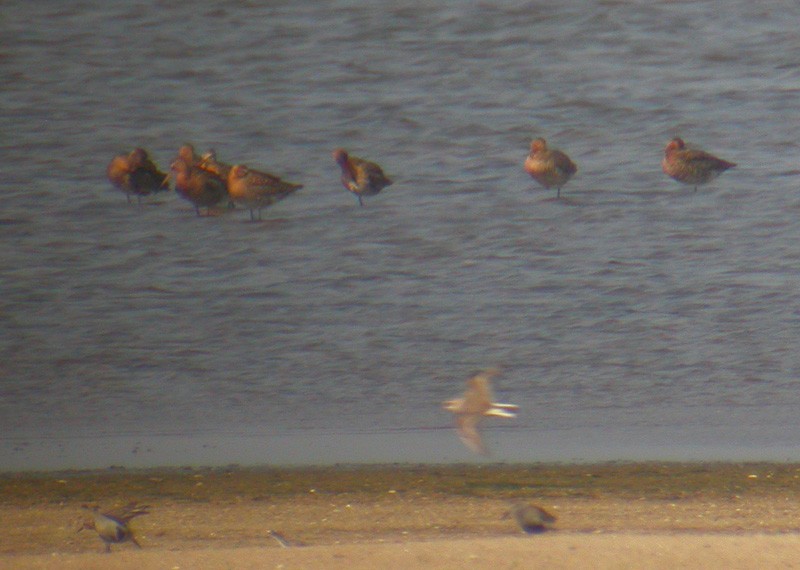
[165, 182]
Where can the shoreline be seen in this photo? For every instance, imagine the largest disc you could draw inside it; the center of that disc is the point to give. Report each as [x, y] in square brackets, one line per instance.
[391, 510]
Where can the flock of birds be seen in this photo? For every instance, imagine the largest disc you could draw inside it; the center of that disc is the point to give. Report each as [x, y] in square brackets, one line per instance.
[206, 182]
[475, 404]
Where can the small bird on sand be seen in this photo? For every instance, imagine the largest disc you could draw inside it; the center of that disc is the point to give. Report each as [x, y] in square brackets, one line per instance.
[282, 540]
[549, 167]
[530, 518]
[361, 177]
[477, 403]
[135, 174]
[256, 190]
[690, 166]
[114, 527]
[201, 189]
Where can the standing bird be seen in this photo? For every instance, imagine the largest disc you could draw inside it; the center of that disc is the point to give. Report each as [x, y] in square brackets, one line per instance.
[361, 177]
[692, 167]
[201, 189]
[134, 173]
[530, 518]
[209, 163]
[114, 528]
[187, 154]
[549, 167]
[477, 403]
[255, 190]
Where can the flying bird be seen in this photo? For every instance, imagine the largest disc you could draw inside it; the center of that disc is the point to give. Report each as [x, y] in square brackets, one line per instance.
[471, 409]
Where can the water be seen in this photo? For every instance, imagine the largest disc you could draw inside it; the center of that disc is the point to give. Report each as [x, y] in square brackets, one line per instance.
[633, 319]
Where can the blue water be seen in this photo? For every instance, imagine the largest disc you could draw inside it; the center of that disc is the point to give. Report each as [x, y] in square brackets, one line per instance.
[633, 318]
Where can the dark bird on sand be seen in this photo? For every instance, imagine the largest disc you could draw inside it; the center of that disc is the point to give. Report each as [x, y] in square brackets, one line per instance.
[114, 528]
[530, 518]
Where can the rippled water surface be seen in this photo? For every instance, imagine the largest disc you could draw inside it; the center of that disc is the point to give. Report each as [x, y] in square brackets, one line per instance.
[633, 318]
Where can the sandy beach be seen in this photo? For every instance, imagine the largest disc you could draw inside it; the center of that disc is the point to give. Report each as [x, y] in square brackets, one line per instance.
[407, 516]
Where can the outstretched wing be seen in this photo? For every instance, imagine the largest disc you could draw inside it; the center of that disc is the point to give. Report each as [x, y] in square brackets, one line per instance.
[469, 434]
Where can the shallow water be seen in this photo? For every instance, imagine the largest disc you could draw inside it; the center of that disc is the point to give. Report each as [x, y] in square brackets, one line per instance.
[632, 319]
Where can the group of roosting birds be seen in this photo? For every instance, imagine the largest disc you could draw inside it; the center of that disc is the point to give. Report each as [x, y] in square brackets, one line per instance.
[552, 168]
[206, 182]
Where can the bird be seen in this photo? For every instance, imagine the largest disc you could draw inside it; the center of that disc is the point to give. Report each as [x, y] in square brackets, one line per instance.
[473, 406]
[691, 166]
[530, 518]
[114, 527]
[187, 154]
[549, 167]
[256, 190]
[134, 173]
[208, 162]
[282, 540]
[201, 189]
[361, 177]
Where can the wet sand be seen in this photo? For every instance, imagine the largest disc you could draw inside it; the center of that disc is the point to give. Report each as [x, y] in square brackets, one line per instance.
[406, 516]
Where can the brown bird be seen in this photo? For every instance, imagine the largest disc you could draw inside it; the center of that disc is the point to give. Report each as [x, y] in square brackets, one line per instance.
[201, 189]
[549, 167]
[361, 177]
[209, 163]
[530, 518]
[134, 173]
[477, 403]
[187, 154]
[114, 527]
[255, 190]
[692, 167]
